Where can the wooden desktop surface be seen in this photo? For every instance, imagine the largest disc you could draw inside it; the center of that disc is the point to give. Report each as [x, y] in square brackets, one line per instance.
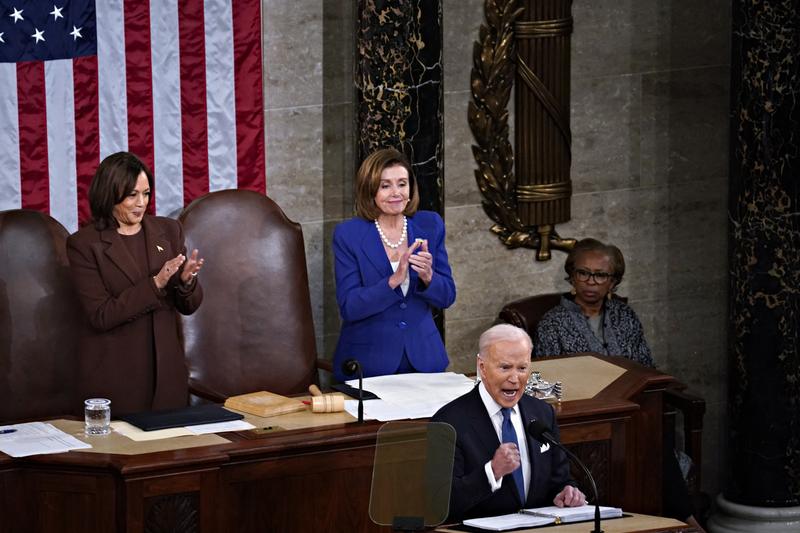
[631, 523]
[306, 479]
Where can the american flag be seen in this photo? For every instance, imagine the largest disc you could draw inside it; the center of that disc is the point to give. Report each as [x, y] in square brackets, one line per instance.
[177, 82]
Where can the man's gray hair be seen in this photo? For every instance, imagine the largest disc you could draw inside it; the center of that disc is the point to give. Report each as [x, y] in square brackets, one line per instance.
[500, 333]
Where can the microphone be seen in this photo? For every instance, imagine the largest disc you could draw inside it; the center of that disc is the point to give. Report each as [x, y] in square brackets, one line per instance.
[541, 432]
[350, 367]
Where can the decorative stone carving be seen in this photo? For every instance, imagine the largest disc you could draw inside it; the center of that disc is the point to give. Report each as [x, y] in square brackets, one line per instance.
[527, 193]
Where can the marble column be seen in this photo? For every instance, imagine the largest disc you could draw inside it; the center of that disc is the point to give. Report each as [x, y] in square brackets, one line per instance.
[399, 87]
[763, 489]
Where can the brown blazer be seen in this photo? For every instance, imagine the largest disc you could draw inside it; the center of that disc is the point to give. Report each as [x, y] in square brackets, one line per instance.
[125, 311]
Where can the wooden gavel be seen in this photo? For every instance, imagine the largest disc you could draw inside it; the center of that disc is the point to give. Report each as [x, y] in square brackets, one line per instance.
[325, 403]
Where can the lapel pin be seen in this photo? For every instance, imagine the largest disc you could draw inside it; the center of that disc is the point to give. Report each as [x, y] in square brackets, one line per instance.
[544, 447]
[159, 248]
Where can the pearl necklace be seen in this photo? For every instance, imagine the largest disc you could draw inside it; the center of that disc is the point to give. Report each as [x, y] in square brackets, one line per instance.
[387, 242]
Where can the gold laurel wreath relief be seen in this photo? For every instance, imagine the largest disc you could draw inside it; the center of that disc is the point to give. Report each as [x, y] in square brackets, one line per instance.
[492, 78]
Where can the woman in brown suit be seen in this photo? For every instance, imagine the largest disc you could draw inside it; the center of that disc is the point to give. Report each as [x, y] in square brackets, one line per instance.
[132, 274]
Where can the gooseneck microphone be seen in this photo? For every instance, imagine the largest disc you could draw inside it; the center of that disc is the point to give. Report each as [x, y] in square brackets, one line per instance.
[350, 367]
[539, 431]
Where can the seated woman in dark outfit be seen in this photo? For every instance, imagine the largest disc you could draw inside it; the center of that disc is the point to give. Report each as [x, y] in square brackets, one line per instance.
[589, 319]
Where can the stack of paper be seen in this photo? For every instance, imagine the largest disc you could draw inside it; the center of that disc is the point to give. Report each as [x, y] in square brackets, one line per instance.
[508, 521]
[33, 438]
[415, 395]
[541, 516]
[565, 515]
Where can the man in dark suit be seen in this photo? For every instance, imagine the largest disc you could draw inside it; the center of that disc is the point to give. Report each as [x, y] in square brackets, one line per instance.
[495, 460]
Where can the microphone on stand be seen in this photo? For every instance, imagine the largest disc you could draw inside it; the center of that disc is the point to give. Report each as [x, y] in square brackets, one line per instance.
[350, 367]
[539, 431]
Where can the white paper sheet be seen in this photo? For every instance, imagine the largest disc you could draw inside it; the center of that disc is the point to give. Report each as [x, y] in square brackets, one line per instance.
[575, 514]
[508, 521]
[420, 394]
[134, 433]
[385, 411]
[36, 438]
[220, 427]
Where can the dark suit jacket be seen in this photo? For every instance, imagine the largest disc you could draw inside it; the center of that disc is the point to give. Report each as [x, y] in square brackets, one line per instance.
[476, 442]
[378, 323]
[129, 318]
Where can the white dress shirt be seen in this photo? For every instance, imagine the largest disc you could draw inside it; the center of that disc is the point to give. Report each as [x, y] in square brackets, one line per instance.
[406, 282]
[496, 416]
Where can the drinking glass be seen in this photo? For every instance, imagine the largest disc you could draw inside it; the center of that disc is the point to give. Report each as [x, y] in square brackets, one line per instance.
[97, 415]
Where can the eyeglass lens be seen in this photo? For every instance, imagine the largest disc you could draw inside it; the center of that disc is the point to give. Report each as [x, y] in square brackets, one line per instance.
[598, 277]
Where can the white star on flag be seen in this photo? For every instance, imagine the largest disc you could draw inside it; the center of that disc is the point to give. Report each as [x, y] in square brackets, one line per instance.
[1, 37]
[76, 32]
[56, 12]
[17, 14]
[38, 35]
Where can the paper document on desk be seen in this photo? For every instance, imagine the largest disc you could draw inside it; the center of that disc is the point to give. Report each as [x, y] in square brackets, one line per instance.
[136, 434]
[220, 427]
[36, 438]
[385, 411]
[509, 521]
[437, 387]
[410, 396]
[566, 515]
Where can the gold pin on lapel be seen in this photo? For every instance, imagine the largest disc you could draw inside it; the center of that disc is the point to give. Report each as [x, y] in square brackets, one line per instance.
[159, 248]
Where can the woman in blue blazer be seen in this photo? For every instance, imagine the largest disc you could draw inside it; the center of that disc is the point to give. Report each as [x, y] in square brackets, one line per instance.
[391, 269]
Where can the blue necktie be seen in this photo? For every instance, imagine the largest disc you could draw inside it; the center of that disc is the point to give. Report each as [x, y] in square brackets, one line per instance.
[510, 435]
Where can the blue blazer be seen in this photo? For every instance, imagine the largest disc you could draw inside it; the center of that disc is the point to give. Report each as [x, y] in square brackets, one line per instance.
[379, 323]
[476, 441]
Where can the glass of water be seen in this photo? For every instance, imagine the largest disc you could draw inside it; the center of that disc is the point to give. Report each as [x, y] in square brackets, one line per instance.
[97, 414]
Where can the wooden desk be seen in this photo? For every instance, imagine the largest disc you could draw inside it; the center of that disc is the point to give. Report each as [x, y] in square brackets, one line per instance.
[635, 523]
[300, 480]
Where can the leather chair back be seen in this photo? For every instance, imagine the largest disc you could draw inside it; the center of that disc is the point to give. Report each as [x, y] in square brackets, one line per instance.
[254, 329]
[526, 313]
[40, 319]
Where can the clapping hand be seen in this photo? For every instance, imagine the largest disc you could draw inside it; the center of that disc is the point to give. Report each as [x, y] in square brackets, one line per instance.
[422, 262]
[193, 265]
[191, 268]
[402, 269]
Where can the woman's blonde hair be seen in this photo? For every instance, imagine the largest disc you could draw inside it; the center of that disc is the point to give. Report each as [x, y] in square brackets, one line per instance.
[368, 180]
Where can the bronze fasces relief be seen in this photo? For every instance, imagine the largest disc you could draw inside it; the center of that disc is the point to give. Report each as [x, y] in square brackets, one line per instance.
[526, 189]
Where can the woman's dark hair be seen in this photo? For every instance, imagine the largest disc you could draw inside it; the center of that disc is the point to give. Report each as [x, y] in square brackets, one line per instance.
[368, 180]
[593, 245]
[113, 180]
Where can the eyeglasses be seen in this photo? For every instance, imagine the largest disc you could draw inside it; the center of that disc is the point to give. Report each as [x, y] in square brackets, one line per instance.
[598, 277]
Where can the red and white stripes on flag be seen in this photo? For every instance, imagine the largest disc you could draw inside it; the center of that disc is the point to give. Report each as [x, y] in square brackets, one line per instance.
[177, 82]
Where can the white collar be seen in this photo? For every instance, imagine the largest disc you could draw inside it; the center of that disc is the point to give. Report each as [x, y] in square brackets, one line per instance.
[492, 407]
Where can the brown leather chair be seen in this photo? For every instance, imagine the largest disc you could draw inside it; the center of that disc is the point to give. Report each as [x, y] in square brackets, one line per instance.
[254, 329]
[39, 319]
[526, 314]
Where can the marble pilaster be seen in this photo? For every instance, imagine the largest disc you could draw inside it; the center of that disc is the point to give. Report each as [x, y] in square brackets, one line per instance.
[399, 87]
[764, 196]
